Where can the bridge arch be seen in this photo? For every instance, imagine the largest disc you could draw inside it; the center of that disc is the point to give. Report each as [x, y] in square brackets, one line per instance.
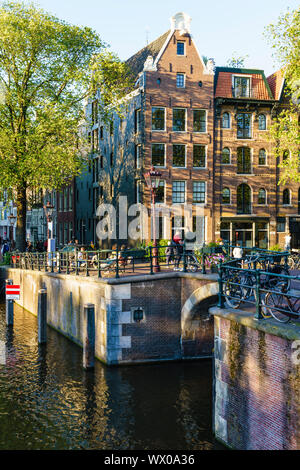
[196, 322]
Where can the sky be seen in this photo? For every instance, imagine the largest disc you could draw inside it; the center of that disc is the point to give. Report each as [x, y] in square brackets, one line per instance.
[220, 28]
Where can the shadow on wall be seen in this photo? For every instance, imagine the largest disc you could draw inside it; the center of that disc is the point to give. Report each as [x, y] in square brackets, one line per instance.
[198, 333]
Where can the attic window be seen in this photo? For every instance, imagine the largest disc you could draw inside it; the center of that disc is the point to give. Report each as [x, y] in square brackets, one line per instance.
[180, 48]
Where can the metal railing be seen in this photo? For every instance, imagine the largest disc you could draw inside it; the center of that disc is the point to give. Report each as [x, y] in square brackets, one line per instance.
[265, 284]
[113, 263]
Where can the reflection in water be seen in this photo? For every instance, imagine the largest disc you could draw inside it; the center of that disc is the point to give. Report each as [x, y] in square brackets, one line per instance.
[47, 401]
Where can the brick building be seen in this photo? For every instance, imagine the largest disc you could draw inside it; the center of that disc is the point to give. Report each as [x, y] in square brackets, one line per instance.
[65, 203]
[250, 207]
[206, 130]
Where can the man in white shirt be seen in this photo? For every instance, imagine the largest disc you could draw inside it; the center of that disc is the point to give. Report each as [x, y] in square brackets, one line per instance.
[287, 242]
[237, 252]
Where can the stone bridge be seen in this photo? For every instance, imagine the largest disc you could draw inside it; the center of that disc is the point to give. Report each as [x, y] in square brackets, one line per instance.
[143, 318]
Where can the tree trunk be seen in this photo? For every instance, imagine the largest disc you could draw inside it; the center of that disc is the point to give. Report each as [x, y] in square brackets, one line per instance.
[21, 218]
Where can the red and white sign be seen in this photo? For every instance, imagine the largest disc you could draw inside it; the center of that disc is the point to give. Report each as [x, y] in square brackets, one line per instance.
[12, 292]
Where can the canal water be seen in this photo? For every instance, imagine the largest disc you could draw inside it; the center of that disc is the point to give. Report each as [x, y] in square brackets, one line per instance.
[47, 401]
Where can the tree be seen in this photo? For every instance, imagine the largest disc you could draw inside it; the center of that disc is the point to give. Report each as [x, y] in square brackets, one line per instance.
[47, 68]
[285, 39]
[236, 61]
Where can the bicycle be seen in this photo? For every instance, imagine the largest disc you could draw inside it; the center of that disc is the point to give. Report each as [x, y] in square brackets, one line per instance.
[294, 260]
[240, 285]
[281, 306]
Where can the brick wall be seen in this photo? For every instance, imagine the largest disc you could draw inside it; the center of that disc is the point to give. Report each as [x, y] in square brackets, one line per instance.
[257, 386]
[192, 97]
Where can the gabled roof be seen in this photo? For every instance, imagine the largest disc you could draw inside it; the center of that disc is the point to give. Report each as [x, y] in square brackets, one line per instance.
[136, 62]
[276, 82]
[223, 83]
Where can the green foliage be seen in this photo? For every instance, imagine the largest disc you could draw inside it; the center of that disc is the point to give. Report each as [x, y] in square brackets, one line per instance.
[114, 80]
[48, 68]
[284, 132]
[276, 248]
[285, 39]
[212, 245]
[162, 244]
[6, 259]
[236, 61]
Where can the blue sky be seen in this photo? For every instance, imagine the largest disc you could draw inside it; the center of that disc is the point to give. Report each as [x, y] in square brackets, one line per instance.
[219, 27]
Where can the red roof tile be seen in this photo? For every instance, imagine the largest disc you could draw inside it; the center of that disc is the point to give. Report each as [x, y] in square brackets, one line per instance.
[275, 82]
[224, 85]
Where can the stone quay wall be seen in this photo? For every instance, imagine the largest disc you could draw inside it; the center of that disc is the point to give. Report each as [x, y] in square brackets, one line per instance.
[166, 332]
[256, 383]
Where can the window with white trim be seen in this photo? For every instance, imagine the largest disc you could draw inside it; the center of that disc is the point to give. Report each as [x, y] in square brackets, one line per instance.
[199, 120]
[158, 119]
[158, 154]
[179, 119]
[178, 192]
[199, 192]
[179, 153]
[199, 156]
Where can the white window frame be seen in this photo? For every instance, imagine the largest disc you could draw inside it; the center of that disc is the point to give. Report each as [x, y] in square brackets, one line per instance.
[230, 155]
[205, 199]
[266, 164]
[159, 143]
[230, 197]
[262, 130]
[164, 198]
[266, 201]
[229, 115]
[251, 162]
[200, 167]
[179, 181]
[239, 139]
[199, 132]
[291, 195]
[185, 119]
[138, 156]
[165, 120]
[184, 145]
[237, 75]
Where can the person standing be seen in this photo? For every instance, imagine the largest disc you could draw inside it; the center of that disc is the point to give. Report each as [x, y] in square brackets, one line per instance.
[237, 252]
[170, 253]
[287, 242]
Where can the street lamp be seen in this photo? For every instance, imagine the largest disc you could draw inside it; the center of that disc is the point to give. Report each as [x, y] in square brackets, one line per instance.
[152, 179]
[48, 208]
[12, 218]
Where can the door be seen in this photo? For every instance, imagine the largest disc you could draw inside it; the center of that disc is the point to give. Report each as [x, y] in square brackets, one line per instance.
[243, 234]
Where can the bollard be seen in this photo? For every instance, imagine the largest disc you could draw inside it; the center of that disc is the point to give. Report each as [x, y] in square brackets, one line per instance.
[9, 307]
[89, 336]
[42, 316]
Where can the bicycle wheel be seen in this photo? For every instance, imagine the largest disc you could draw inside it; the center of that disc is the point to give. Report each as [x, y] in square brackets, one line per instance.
[274, 306]
[291, 262]
[287, 282]
[192, 267]
[233, 294]
[247, 285]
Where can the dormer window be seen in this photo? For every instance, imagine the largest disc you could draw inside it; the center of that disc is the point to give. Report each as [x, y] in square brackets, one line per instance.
[180, 48]
[241, 87]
